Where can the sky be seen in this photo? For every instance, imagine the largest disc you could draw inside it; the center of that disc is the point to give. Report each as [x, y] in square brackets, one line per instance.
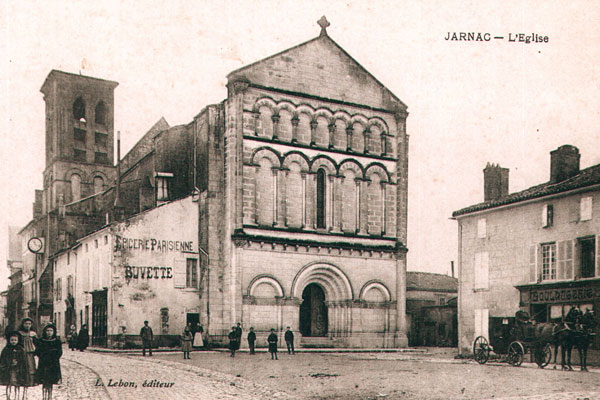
[469, 102]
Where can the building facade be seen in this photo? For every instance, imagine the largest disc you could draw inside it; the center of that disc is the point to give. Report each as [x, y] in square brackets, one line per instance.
[142, 268]
[431, 309]
[299, 179]
[535, 250]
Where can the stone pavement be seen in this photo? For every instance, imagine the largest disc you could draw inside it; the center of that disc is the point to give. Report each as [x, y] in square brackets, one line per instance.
[101, 376]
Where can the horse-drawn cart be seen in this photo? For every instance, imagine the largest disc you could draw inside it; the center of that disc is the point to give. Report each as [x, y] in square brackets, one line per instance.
[515, 339]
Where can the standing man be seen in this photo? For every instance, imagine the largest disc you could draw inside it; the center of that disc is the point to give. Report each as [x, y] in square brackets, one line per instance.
[289, 340]
[234, 343]
[147, 336]
[272, 340]
[251, 339]
[238, 332]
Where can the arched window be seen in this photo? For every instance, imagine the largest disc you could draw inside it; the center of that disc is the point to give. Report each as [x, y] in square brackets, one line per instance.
[100, 113]
[79, 109]
[98, 184]
[321, 202]
[75, 187]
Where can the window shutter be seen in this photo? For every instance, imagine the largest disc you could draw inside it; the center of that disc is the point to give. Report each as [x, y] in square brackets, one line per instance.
[585, 212]
[532, 263]
[568, 259]
[538, 262]
[545, 215]
[481, 228]
[561, 259]
[179, 273]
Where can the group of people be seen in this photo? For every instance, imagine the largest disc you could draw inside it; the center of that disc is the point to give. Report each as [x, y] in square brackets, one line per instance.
[235, 338]
[78, 341]
[18, 369]
[191, 337]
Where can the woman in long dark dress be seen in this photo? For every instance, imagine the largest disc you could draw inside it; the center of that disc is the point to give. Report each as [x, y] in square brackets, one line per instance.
[83, 338]
[49, 351]
[28, 341]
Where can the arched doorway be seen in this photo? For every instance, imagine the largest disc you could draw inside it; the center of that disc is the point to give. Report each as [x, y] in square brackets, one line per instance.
[313, 311]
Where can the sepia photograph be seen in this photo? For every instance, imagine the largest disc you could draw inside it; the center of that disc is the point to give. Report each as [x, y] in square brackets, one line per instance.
[300, 200]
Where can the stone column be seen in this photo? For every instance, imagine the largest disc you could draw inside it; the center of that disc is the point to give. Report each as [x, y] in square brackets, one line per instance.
[401, 337]
[313, 130]
[303, 175]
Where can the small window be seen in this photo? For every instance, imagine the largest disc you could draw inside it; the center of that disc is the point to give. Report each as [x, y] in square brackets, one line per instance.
[321, 198]
[191, 276]
[547, 215]
[96, 243]
[100, 113]
[98, 184]
[105, 239]
[481, 228]
[68, 257]
[70, 285]
[587, 257]
[548, 261]
[585, 209]
[79, 110]
[75, 187]
[162, 187]
[86, 247]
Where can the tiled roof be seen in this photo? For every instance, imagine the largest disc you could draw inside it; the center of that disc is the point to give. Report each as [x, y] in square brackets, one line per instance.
[586, 177]
[429, 281]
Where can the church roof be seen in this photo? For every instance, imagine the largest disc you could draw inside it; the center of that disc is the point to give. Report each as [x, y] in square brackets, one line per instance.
[322, 68]
[586, 177]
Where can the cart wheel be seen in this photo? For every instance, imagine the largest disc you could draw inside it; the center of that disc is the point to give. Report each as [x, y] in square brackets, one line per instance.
[515, 354]
[481, 350]
[543, 355]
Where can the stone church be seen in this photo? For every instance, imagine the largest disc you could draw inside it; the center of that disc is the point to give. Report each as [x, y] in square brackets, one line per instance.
[300, 179]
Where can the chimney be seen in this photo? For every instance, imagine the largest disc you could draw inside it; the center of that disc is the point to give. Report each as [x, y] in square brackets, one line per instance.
[495, 182]
[564, 163]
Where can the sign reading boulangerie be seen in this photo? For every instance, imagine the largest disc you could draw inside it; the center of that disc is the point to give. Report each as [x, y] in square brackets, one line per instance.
[153, 244]
[559, 295]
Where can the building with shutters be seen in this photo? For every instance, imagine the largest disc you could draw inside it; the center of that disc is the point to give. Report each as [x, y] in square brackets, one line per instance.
[535, 250]
[299, 179]
[142, 268]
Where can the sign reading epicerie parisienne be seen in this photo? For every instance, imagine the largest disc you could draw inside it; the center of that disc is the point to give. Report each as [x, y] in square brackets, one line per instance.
[153, 244]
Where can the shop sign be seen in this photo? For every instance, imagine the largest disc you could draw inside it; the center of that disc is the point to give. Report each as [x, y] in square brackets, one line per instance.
[559, 295]
[132, 272]
[153, 244]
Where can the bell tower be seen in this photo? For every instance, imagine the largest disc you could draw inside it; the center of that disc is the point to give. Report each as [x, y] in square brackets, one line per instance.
[79, 137]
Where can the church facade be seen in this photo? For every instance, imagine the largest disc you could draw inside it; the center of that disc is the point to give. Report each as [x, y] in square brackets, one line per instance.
[300, 181]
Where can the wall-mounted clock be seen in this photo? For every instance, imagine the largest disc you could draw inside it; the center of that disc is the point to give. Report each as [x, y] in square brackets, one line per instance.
[35, 245]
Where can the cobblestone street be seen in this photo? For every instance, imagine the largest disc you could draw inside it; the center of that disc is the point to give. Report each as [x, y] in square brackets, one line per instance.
[215, 375]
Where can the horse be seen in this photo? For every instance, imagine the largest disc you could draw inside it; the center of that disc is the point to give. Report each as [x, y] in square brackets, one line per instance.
[582, 337]
[563, 338]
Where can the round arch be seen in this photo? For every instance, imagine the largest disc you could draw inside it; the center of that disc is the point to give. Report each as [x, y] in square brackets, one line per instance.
[375, 285]
[329, 277]
[262, 280]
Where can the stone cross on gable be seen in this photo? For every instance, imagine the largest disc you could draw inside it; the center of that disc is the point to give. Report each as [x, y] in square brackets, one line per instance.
[323, 23]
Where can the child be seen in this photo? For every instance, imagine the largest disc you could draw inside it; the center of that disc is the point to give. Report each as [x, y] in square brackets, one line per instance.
[49, 351]
[272, 339]
[13, 367]
[72, 338]
[186, 342]
[28, 341]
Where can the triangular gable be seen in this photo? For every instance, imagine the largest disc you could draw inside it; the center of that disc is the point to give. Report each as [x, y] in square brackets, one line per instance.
[320, 67]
